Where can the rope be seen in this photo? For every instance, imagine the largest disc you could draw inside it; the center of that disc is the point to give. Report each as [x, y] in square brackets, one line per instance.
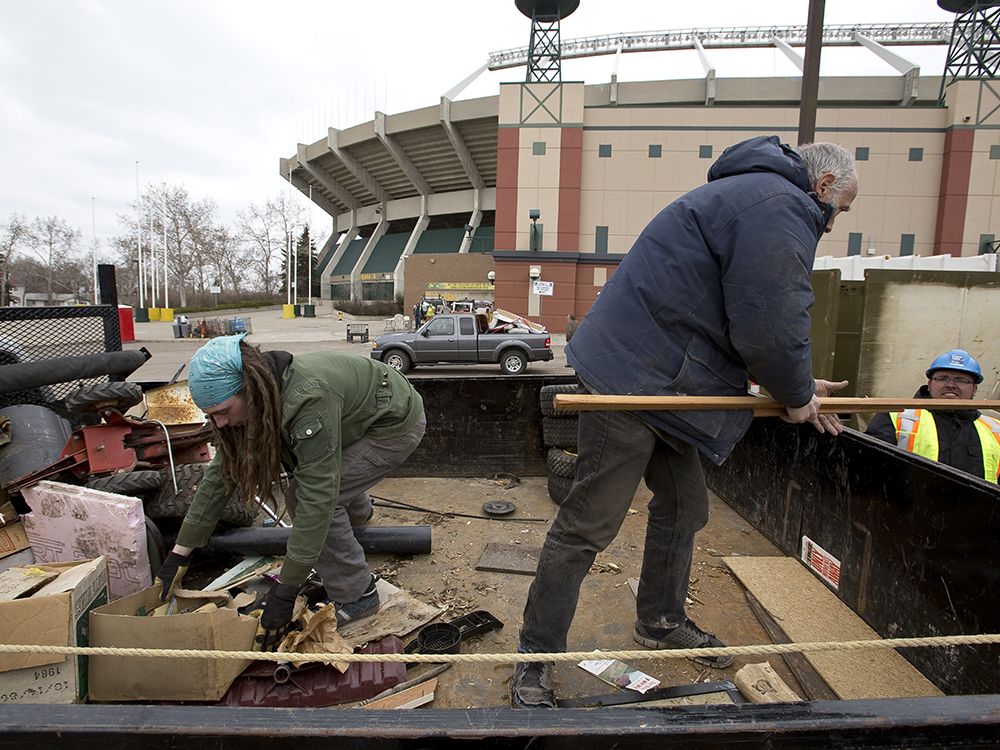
[628, 655]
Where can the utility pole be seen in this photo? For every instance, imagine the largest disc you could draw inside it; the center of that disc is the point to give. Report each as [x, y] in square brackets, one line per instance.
[93, 243]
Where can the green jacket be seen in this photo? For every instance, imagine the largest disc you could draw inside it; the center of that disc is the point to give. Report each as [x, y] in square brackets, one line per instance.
[329, 400]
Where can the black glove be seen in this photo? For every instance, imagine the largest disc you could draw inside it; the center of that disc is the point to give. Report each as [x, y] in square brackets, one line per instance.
[276, 619]
[170, 574]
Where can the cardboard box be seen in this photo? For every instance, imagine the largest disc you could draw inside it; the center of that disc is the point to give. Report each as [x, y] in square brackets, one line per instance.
[13, 539]
[128, 678]
[56, 615]
[76, 523]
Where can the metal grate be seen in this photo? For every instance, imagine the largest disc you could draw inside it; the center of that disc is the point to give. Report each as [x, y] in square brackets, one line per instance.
[34, 334]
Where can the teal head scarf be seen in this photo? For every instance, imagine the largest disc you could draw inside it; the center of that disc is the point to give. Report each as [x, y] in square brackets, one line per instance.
[216, 371]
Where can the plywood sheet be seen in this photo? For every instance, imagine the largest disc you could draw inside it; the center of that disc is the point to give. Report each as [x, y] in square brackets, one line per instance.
[808, 611]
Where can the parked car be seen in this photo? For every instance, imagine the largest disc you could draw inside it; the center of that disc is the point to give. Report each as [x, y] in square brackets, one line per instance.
[462, 339]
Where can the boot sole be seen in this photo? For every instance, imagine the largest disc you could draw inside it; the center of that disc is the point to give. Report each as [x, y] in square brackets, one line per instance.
[705, 661]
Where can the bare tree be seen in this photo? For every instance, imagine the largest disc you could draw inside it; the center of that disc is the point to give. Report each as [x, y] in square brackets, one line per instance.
[14, 235]
[230, 259]
[265, 231]
[53, 243]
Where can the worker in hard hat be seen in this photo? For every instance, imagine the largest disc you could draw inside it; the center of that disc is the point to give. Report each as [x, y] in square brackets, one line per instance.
[337, 423]
[961, 438]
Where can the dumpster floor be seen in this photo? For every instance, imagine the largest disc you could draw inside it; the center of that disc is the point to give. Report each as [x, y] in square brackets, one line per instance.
[606, 613]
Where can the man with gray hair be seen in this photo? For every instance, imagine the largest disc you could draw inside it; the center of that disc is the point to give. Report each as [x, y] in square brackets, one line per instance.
[714, 291]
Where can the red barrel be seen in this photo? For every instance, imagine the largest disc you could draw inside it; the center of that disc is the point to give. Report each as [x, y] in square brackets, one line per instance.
[125, 324]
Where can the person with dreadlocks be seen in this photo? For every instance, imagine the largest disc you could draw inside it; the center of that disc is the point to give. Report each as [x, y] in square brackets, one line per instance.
[338, 423]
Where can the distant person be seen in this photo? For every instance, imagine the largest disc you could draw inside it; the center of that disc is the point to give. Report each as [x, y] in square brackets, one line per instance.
[417, 312]
[961, 438]
[338, 423]
[430, 311]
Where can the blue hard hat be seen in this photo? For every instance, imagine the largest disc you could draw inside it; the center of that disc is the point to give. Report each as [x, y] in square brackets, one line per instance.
[957, 359]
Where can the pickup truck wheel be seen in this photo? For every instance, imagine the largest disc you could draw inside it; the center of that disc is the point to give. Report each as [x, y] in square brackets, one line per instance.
[513, 362]
[398, 360]
[558, 432]
[548, 392]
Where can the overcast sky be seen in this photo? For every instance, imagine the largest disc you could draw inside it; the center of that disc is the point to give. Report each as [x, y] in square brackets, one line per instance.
[211, 93]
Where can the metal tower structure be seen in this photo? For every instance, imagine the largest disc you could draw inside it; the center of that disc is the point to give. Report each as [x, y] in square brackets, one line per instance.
[974, 50]
[544, 54]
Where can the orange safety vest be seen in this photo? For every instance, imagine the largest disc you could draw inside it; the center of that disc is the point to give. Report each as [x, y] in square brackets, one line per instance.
[917, 433]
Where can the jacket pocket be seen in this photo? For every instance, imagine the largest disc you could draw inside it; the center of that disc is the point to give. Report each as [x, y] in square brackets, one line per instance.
[706, 371]
[311, 439]
[383, 393]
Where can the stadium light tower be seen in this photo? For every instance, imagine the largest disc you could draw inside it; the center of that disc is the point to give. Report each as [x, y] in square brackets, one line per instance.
[544, 56]
[974, 50]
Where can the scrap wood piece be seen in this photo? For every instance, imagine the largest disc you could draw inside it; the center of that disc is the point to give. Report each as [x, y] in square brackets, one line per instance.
[509, 558]
[811, 681]
[401, 613]
[808, 611]
[245, 570]
[761, 684]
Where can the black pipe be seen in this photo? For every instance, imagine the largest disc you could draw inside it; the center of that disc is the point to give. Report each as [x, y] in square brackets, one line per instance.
[396, 540]
[22, 375]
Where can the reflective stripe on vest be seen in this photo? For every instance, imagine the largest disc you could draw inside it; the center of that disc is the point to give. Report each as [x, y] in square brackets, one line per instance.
[917, 433]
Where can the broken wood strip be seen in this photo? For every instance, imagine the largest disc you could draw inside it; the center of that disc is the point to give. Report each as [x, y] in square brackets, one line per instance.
[811, 681]
[759, 683]
[762, 407]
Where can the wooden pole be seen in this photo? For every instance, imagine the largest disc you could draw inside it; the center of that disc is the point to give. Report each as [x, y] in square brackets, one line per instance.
[762, 407]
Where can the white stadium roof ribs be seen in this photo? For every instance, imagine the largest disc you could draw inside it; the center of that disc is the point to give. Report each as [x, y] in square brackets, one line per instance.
[760, 36]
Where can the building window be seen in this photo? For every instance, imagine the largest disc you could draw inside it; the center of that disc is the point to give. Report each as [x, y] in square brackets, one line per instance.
[854, 243]
[538, 148]
[906, 244]
[986, 244]
[995, 152]
[655, 150]
[916, 154]
[861, 153]
[601, 240]
[704, 152]
[604, 151]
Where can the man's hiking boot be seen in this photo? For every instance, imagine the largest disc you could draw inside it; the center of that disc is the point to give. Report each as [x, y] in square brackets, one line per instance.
[531, 685]
[365, 606]
[685, 635]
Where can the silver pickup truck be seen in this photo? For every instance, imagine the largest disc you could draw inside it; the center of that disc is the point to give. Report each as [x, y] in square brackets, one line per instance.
[464, 340]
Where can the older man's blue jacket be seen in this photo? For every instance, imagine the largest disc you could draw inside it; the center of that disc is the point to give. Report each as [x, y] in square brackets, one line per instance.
[717, 286]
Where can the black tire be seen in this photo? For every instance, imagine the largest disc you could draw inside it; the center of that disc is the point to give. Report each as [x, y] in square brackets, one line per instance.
[513, 362]
[90, 399]
[549, 392]
[561, 463]
[558, 432]
[559, 487]
[135, 483]
[169, 504]
[398, 360]
[156, 548]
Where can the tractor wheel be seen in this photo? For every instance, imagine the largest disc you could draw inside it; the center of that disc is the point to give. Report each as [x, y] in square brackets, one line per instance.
[134, 483]
[170, 504]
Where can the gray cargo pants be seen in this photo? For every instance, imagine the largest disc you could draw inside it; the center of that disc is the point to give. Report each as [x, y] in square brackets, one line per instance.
[363, 464]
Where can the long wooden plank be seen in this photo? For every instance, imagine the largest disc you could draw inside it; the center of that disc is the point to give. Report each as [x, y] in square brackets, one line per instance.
[808, 611]
[762, 407]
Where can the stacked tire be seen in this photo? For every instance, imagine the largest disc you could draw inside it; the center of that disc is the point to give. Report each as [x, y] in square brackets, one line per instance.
[559, 431]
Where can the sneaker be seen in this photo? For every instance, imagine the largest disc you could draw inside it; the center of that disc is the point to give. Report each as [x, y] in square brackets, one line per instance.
[365, 606]
[685, 635]
[531, 685]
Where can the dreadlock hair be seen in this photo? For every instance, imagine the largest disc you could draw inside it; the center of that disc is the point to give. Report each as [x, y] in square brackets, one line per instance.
[251, 452]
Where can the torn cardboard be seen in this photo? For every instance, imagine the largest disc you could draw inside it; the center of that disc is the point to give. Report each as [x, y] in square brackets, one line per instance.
[56, 615]
[129, 678]
[76, 523]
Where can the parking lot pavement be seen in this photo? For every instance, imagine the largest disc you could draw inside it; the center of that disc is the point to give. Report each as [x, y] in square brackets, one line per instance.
[326, 332]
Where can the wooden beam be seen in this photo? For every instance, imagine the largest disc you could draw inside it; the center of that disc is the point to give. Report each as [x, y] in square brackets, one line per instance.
[762, 407]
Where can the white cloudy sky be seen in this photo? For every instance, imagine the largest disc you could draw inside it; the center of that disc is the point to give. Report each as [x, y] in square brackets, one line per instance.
[211, 93]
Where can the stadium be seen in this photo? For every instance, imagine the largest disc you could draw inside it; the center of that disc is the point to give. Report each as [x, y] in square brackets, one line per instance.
[551, 179]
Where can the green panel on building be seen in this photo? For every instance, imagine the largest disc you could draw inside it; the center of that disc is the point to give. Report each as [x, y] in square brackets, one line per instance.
[482, 241]
[440, 241]
[386, 253]
[350, 257]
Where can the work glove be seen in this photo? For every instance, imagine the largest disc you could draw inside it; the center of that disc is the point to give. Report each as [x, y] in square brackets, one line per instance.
[276, 619]
[170, 574]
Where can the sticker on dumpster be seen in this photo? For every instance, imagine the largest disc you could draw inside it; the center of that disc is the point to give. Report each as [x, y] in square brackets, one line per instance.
[821, 562]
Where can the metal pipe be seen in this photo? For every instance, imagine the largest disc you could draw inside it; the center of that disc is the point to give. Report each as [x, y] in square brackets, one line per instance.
[22, 375]
[400, 540]
[810, 73]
